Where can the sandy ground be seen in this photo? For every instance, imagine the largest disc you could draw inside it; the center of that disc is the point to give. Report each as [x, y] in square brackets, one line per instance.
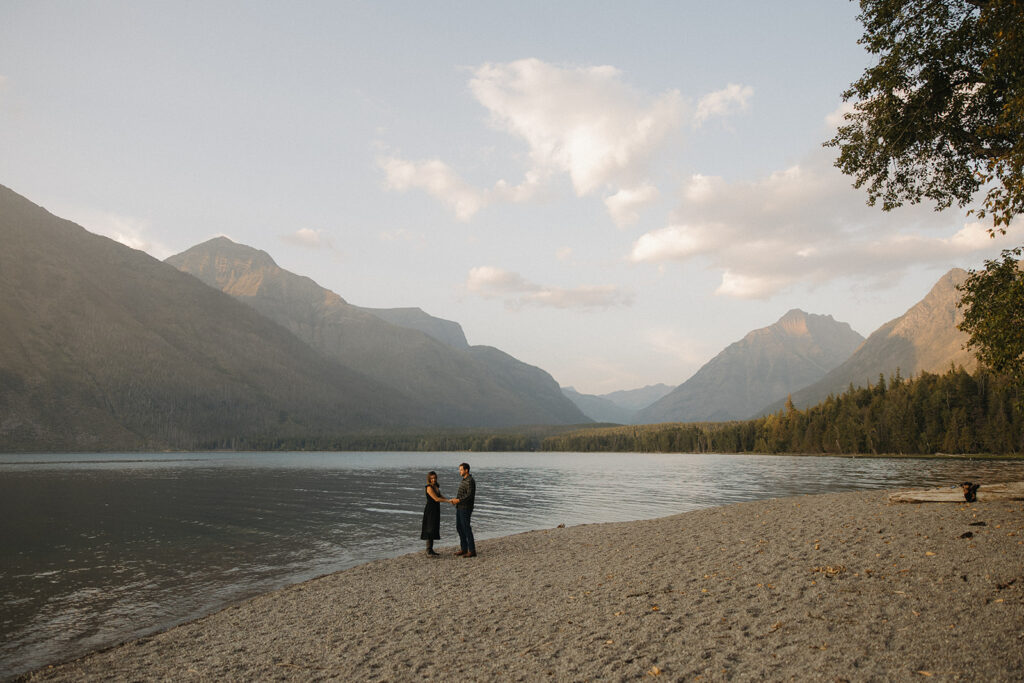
[833, 587]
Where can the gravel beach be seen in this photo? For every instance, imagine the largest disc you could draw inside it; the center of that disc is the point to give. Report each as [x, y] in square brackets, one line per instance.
[829, 587]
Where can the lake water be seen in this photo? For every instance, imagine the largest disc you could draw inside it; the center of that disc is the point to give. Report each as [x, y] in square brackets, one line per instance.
[96, 549]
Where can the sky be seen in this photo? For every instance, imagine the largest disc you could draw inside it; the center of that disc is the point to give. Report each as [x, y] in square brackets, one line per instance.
[611, 191]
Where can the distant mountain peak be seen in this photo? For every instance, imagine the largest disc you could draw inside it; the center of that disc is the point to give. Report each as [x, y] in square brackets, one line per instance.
[924, 339]
[768, 363]
[425, 358]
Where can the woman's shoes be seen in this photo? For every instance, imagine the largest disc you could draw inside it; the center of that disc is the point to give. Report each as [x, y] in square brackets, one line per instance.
[430, 551]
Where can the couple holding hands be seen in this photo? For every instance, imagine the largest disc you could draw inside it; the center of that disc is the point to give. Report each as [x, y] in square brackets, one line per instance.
[463, 502]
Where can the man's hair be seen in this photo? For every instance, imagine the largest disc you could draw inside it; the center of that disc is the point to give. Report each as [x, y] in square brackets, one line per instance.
[464, 464]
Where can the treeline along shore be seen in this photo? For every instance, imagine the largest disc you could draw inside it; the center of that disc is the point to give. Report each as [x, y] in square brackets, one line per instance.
[957, 413]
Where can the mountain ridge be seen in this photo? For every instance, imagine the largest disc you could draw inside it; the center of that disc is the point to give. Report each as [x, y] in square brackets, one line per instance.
[924, 338]
[470, 386]
[107, 348]
[767, 363]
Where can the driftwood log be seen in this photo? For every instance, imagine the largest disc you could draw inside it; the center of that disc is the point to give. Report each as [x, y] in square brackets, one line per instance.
[959, 493]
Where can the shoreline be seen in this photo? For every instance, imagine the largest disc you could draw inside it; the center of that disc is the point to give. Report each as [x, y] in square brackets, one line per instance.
[843, 585]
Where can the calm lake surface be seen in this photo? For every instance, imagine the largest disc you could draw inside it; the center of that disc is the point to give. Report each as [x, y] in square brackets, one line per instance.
[96, 549]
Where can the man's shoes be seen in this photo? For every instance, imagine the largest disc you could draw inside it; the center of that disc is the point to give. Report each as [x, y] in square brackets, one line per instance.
[461, 552]
[470, 553]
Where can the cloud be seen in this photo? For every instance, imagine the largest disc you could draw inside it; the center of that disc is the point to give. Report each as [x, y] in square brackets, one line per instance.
[673, 243]
[128, 230]
[803, 224]
[438, 180]
[517, 292]
[583, 122]
[309, 238]
[625, 205]
[838, 117]
[734, 97]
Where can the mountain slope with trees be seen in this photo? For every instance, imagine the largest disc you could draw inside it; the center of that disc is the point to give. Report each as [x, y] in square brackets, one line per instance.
[924, 339]
[953, 413]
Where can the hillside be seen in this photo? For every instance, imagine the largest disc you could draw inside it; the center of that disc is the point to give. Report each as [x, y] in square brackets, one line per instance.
[105, 348]
[766, 364]
[618, 407]
[599, 408]
[424, 358]
[925, 338]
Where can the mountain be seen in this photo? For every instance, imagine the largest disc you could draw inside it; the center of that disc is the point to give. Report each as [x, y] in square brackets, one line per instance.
[765, 365]
[598, 408]
[638, 399]
[444, 331]
[105, 348]
[619, 407]
[424, 358]
[924, 339]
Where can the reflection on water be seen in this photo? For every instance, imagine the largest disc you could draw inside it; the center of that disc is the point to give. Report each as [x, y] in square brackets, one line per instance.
[98, 549]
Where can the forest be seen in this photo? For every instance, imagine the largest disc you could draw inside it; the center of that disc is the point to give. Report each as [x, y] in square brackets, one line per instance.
[956, 413]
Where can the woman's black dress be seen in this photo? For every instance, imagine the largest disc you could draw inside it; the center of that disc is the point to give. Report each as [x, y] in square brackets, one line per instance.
[431, 518]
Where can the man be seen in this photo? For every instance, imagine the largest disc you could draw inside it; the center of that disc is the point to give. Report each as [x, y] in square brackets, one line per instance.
[463, 502]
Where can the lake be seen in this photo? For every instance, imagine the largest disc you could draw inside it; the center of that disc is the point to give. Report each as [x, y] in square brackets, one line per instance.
[96, 549]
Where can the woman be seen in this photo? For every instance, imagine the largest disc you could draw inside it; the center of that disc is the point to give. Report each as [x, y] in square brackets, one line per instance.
[432, 513]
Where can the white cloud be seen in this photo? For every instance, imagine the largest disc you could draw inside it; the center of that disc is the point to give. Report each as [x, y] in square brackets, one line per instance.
[744, 286]
[674, 243]
[489, 281]
[625, 205]
[584, 122]
[838, 117]
[517, 292]
[804, 224]
[129, 231]
[734, 97]
[309, 238]
[443, 183]
[438, 179]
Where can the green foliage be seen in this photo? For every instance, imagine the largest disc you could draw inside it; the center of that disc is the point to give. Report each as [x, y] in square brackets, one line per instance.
[993, 305]
[941, 113]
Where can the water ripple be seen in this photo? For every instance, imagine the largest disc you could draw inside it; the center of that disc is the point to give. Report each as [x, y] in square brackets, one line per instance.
[99, 550]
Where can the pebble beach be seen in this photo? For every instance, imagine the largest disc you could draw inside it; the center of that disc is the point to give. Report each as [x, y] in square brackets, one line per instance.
[836, 587]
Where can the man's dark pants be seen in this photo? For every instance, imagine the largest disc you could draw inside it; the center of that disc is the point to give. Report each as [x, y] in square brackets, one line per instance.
[465, 530]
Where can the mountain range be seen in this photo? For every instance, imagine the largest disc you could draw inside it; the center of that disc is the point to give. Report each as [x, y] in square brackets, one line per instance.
[924, 339]
[424, 358]
[806, 358]
[105, 348]
[619, 407]
[773, 361]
